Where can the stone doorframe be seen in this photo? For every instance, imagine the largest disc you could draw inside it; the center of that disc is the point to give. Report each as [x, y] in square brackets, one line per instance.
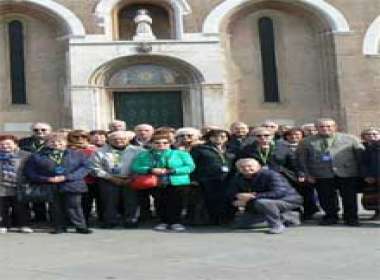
[192, 92]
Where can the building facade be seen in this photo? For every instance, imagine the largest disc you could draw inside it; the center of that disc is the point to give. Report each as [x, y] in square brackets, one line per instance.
[74, 63]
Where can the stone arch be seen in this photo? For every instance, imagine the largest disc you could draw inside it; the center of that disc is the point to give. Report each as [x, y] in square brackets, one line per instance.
[72, 23]
[191, 89]
[105, 7]
[334, 17]
[372, 38]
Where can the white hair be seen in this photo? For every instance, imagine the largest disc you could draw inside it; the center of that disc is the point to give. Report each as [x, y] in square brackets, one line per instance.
[242, 161]
[188, 130]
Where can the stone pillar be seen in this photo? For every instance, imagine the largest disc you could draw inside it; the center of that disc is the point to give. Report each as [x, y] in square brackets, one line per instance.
[84, 108]
[215, 109]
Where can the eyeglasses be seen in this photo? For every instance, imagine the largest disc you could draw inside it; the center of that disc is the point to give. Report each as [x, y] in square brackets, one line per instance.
[186, 135]
[262, 135]
[79, 136]
[161, 142]
[40, 129]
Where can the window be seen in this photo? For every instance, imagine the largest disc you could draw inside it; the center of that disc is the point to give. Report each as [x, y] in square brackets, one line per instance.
[268, 58]
[17, 67]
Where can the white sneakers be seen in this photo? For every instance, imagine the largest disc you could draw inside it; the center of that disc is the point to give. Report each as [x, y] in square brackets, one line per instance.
[4, 230]
[178, 227]
[173, 227]
[26, 230]
[277, 229]
[161, 227]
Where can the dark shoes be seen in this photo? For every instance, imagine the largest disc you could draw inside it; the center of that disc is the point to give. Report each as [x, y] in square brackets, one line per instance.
[58, 231]
[131, 225]
[83, 230]
[352, 223]
[328, 221]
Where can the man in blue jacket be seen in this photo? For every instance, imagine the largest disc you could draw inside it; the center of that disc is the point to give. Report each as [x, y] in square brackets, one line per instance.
[264, 192]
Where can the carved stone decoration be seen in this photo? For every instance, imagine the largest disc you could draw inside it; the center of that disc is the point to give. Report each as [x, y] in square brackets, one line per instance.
[144, 26]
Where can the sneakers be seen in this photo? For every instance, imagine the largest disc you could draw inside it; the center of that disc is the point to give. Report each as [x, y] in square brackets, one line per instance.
[277, 229]
[3, 230]
[83, 230]
[26, 230]
[178, 227]
[291, 218]
[161, 227]
[173, 227]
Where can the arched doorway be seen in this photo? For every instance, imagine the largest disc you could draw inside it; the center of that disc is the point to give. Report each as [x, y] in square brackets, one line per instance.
[160, 90]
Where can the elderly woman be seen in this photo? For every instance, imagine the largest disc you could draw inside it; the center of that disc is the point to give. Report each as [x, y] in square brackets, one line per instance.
[111, 166]
[370, 167]
[12, 160]
[213, 167]
[187, 137]
[63, 171]
[80, 140]
[173, 168]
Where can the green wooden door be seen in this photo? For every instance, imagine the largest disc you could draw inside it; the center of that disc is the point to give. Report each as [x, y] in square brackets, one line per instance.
[155, 108]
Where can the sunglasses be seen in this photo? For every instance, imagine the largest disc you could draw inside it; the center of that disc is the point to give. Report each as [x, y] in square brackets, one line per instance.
[161, 142]
[262, 135]
[186, 135]
[40, 129]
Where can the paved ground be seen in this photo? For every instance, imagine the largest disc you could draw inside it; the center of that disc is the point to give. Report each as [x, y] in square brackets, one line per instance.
[308, 252]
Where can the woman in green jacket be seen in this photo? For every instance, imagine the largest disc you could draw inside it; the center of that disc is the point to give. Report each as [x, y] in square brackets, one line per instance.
[173, 168]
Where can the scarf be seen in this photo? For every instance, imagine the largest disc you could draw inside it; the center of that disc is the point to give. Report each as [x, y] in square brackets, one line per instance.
[8, 168]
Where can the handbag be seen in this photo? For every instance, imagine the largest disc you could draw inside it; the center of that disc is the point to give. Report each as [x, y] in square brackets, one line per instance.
[144, 182]
[28, 192]
[371, 197]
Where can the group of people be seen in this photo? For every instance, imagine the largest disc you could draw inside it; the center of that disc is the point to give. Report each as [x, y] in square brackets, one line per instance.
[277, 174]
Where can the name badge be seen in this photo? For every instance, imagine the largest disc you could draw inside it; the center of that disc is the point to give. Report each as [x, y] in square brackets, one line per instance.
[265, 167]
[326, 157]
[59, 170]
[225, 169]
[4, 157]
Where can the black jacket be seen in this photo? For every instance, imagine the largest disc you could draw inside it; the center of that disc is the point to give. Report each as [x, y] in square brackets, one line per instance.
[268, 184]
[209, 163]
[370, 161]
[29, 144]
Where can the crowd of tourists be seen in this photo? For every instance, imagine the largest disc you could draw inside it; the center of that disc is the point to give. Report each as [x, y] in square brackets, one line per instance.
[278, 175]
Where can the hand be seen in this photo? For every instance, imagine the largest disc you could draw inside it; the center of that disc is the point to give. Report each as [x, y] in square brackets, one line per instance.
[370, 180]
[245, 197]
[118, 181]
[238, 203]
[301, 179]
[57, 179]
[159, 171]
[310, 179]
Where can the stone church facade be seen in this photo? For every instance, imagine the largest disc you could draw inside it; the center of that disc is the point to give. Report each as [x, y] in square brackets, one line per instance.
[74, 63]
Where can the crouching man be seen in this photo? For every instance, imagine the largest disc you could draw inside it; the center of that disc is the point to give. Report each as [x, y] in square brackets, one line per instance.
[262, 192]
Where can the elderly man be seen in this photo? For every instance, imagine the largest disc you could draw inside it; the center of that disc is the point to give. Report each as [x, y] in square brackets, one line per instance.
[33, 144]
[117, 125]
[239, 138]
[266, 193]
[144, 133]
[142, 138]
[37, 141]
[330, 160]
[111, 165]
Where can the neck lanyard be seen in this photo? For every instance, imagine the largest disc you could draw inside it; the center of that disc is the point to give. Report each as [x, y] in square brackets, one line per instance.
[117, 156]
[36, 147]
[325, 145]
[264, 156]
[57, 157]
